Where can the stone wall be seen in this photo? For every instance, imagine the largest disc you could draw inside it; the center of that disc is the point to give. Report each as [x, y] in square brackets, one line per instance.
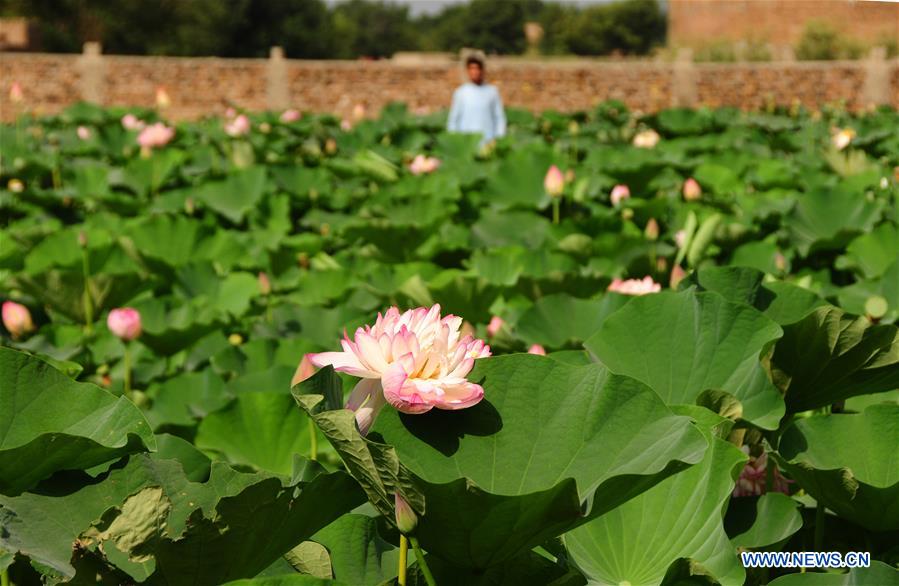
[206, 86]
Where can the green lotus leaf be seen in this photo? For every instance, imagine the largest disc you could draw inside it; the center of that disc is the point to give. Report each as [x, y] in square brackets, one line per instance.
[879, 574]
[560, 320]
[776, 517]
[828, 219]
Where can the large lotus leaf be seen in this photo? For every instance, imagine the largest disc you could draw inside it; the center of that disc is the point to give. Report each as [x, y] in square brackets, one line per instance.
[171, 325]
[48, 422]
[681, 344]
[827, 219]
[592, 440]
[872, 253]
[230, 293]
[849, 463]
[165, 242]
[236, 195]
[183, 399]
[146, 175]
[830, 356]
[518, 181]
[358, 554]
[774, 518]
[879, 574]
[250, 520]
[558, 320]
[681, 517]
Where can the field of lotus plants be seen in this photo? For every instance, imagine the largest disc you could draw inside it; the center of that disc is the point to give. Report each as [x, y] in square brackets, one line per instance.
[290, 349]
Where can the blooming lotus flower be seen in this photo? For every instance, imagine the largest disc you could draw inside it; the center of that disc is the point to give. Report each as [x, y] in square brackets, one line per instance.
[305, 369]
[842, 137]
[692, 190]
[289, 116]
[155, 135]
[16, 319]
[124, 323]
[416, 361]
[162, 98]
[537, 349]
[239, 126]
[646, 139]
[752, 480]
[15, 93]
[132, 122]
[619, 194]
[422, 164]
[495, 325]
[635, 286]
[83, 132]
[554, 182]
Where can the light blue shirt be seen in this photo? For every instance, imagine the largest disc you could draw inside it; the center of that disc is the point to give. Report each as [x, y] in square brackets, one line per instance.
[477, 108]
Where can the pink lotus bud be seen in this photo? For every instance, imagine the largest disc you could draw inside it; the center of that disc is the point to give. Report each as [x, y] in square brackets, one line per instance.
[537, 349]
[780, 261]
[15, 93]
[642, 286]
[230, 113]
[289, 116]
[15, 185]
[132, 122]
[423, 164]
[265, 286]
[677, 275]
[83, 132]
[358, 112]
[619, 194]
[495, 325]
[346, 125]
[239, 126]
[692, 190]
[554, 182]
[652, 230]
[680, 238]
[406, 520]
[82, 239]
[646, 139]
[124, 323]
[155, 136]
[162, 98]
[305, 369]
[16, 319]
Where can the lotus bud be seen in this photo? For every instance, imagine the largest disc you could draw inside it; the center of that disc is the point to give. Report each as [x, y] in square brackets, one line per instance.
[189, 206]
[495, 325]
[265, 286]
[662, 264]
[569, 175]
[573, 127]
[15, 185]
[330, 146]
[680, 238]
[677, 275]
[303, 260]
[124, 323]
[16, 95]
[646, 139]
[884, 182]
[627, 214]
[780, 261]
[16, 319]
[406, 519]
[289, 116]
[358, 112]
[235, 339]
[239, 126]
[265, 128]
[619, 194]
[554, 182]
[82, 239]
[537, 349]
[305, 369]
[162, 98]
[106, 381]
[346, 125]
[652, 230]
[692, 190]
[83, 132]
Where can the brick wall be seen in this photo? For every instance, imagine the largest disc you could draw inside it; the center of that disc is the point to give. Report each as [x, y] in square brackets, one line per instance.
[202, 86]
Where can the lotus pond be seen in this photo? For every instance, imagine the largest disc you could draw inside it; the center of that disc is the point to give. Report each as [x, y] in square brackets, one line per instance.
[691, 319]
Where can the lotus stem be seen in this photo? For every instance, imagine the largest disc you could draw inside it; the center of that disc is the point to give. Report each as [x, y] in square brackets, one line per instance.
[401, 565]
[88, 304]
[4, 578]
[820, 513]
[422, 564]
[556, 205]
[313, 441]
[127, 364]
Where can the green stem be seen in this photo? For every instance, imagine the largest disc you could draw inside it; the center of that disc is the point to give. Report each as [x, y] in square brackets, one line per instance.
[653, 267]
[422, 564]
[556, 205]
[313, 441]
[820, 513]
[769, 476]
[401, 565]
[4, 578]
[127, 365]
[88, 304]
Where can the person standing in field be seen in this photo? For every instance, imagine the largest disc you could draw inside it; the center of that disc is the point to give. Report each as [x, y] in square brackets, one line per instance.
[477, 107]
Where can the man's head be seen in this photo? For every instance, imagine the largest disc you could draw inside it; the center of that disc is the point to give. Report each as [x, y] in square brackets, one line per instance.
[475, 68]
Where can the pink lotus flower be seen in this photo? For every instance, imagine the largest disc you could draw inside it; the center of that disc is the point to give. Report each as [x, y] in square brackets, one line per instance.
[239, 126]
[162, 98]
[537, 349]
[554, 182]
[646, 139]
[305, 369]
[83, 132]
[124, 323]
[635, 286]
[619, 194]
[15, 93]
[155, 135]
[752, 479]
[16, 319]
[416, 361]
[289, 116]
[495, 325]
[422, 164]
[132, 122]
[692, 190]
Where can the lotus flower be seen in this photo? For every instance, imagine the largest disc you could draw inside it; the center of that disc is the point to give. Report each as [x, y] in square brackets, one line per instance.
[132, 122]
[537, 349]
[646, 139]
[289, 116]
[83, 132]
[239, 126]
[416, 361]
[752, 478]
[422, 164]
[842, 137]
[635, 286]
[554, 182]
[652, 229]
[162, 98]
[16, 319]
[677, 275]
[619, 194]
[155, 135]
[406, 519]
[15, 93]
[15, 185]
[495, 325]
[358, 112]
[265, 285]
[124, 323]
[692, 190]
[305, 369]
